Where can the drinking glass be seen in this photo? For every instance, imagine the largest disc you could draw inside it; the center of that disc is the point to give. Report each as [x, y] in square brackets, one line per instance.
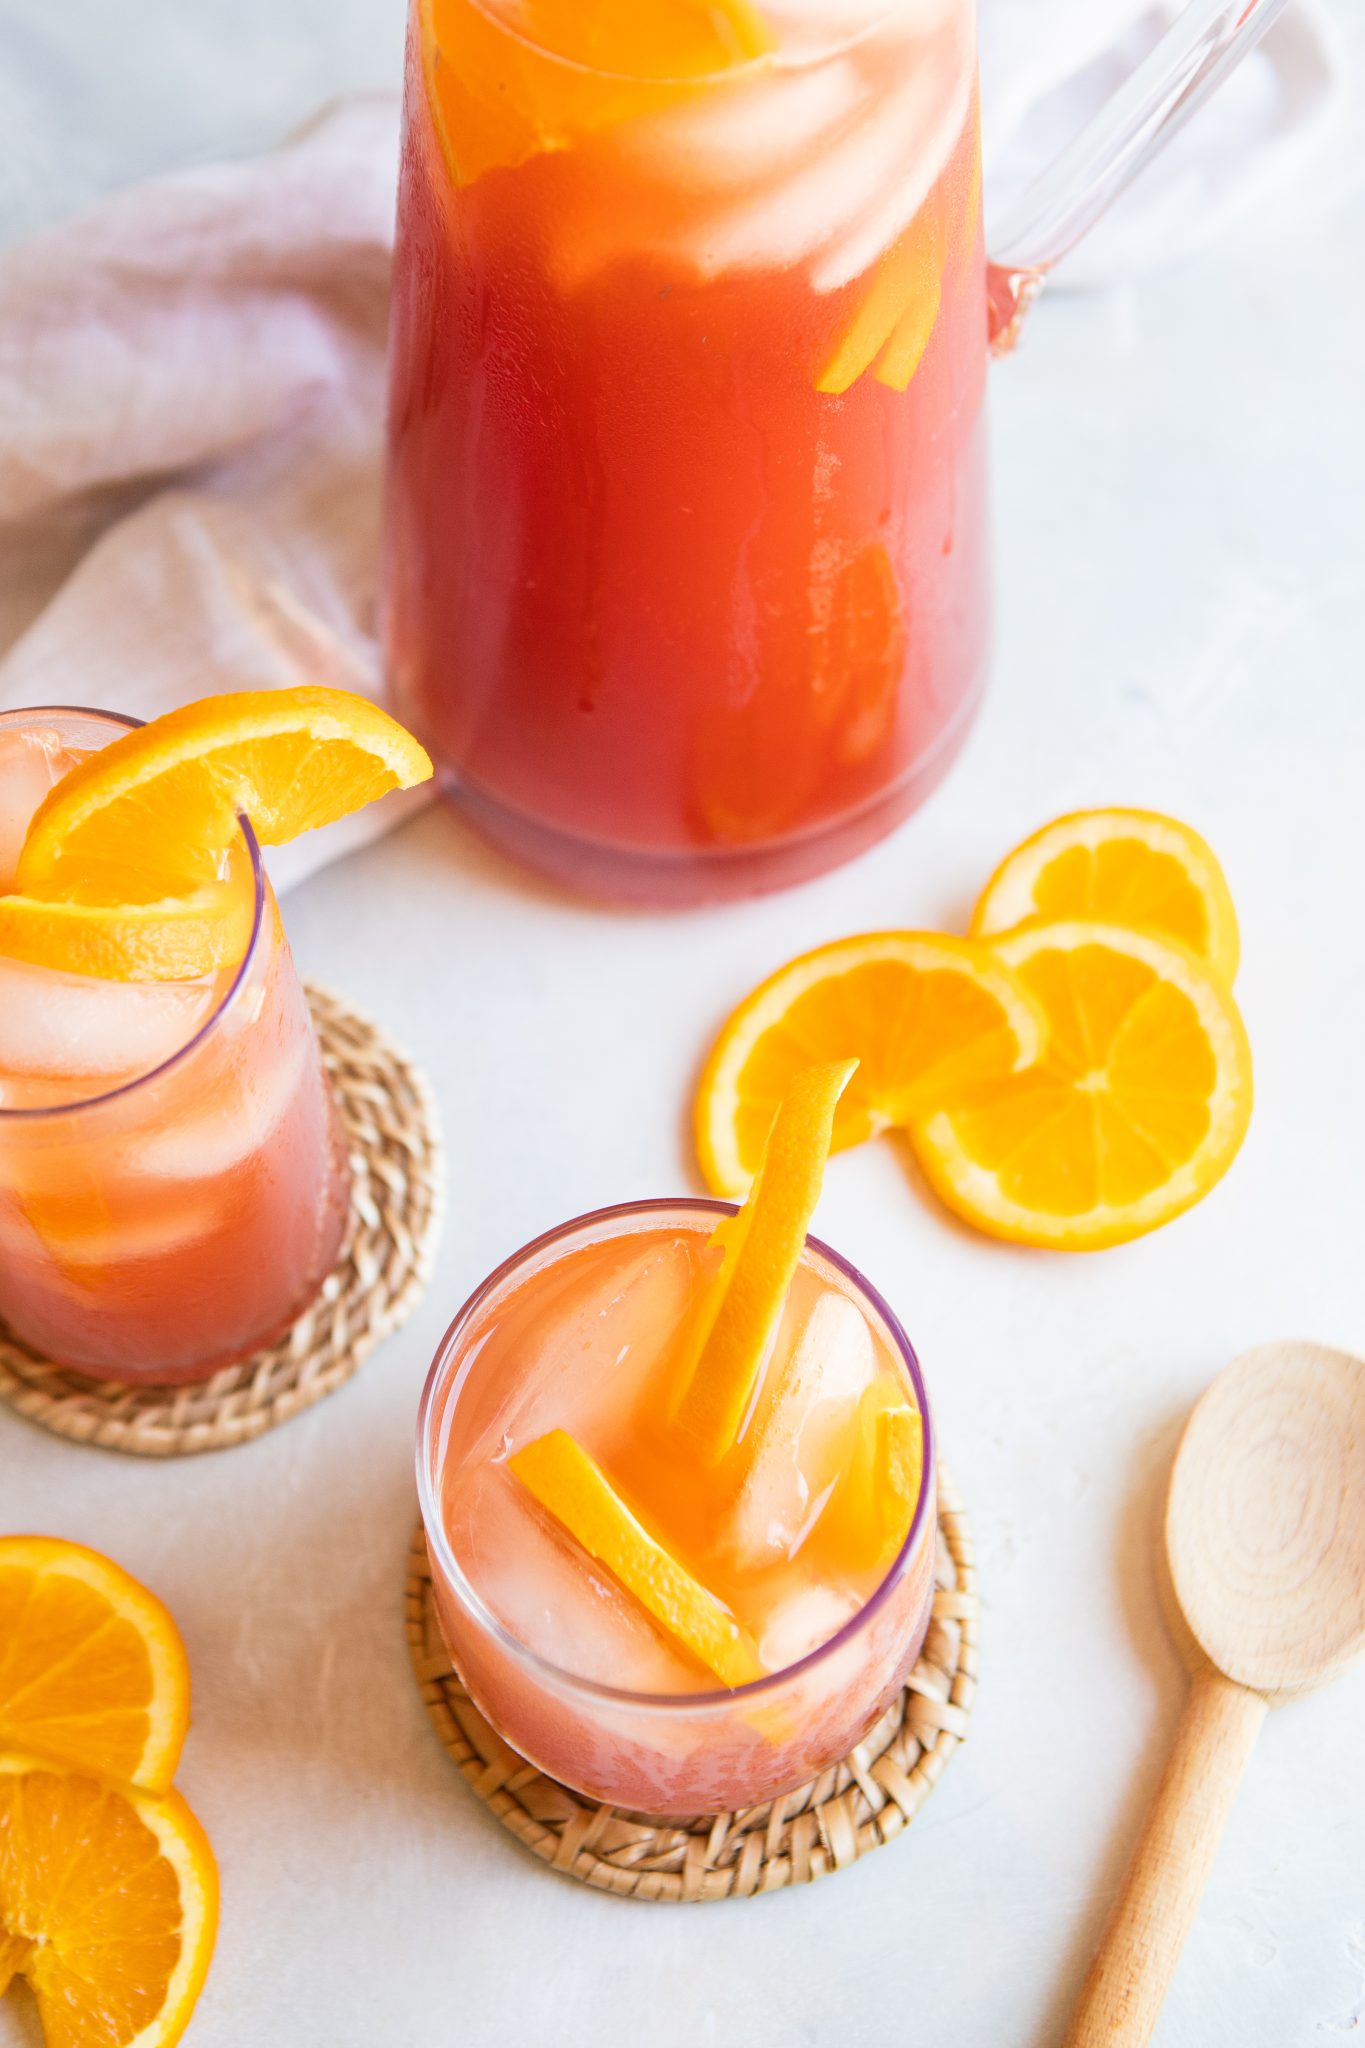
[168, 1218]
[663, 1754]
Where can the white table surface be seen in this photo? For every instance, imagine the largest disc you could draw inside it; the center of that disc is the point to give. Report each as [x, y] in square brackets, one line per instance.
[1178, 472]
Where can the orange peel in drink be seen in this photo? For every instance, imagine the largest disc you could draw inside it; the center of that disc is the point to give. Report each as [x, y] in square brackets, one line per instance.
[762, 1246]
[92, 1669]
[572, 1488]
[896, 314]
[499, 94]
[868, 1517]
[108, 1906]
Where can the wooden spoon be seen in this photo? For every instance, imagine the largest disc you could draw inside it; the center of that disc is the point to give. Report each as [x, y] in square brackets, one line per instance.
[1265, 1538]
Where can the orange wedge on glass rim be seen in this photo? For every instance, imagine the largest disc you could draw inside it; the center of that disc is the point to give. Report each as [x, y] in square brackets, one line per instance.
[155, 813]
[572, 1488]
[1126, 867]
[1134, 1109]
[108, 1906]
[921, 1013]
[92, 1669]
[131, 869]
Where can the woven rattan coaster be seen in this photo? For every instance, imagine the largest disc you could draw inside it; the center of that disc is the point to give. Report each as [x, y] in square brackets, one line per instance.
[845, 1813]
[397, 1175]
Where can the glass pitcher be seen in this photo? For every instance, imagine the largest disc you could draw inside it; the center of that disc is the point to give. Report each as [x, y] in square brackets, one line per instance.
[687, 577]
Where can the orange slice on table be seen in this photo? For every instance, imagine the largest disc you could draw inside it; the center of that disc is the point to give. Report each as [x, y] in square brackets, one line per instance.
[558, 1472]
[500, 93]
[153, 815]
[741, 1310]
[1135, 1108]
[108, 1906]
[92, 1668]
[922, 1013]
[1128, 867]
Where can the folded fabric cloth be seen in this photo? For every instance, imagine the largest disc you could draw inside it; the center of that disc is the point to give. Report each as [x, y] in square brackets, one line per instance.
[192, 373]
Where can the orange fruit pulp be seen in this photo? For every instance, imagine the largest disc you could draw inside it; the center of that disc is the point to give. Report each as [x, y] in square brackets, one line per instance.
[108, 1906]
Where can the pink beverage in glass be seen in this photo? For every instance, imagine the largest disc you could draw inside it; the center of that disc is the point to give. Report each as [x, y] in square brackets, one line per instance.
[687, 584]
[173, 1182]
[579, 1333]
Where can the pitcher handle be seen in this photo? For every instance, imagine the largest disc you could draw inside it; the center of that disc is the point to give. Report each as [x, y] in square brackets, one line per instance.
[1203, 44]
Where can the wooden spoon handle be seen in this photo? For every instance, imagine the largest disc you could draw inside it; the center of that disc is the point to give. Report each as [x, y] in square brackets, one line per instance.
[1127, 1982]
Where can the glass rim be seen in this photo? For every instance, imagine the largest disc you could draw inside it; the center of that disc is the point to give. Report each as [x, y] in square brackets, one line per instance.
[591, 1689]
[35, 1113]
[824, 53]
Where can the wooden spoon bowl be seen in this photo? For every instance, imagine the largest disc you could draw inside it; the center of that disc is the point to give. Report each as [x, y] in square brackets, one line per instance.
[1265, 1542]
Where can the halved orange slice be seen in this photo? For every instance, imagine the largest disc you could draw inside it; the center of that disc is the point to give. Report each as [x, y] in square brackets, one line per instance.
[92, 1668]
[921, 1013]
[176, 941]
[108, 1906]
[1128, 867]
[572, 1488]
[763, 1244]
[153, 815]
[1134, 1109]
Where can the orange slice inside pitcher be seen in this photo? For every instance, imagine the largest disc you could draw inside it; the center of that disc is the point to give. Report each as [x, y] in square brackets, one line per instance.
[868, 1517]
[505, 82]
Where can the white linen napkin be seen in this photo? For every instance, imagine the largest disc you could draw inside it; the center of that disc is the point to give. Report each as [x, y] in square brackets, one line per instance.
[192, 376]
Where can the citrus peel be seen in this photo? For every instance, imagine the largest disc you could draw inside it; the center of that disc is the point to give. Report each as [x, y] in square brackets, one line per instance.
[869, 1515]
[762, 1246]
[572, 1488]
[499, 94]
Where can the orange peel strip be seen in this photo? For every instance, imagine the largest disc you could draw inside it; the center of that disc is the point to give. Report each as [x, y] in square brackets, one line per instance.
[763, 1244]
[569, 1485]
